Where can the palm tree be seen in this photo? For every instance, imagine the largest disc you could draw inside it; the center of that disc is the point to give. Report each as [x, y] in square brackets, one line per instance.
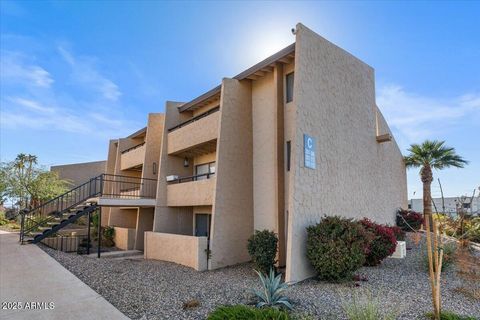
[427, 156]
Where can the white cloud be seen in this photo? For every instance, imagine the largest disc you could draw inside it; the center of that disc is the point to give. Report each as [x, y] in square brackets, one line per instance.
[29, 101]
[85, 72]
[418, 117]
[16, 67]
[18, 112]
[31, 104]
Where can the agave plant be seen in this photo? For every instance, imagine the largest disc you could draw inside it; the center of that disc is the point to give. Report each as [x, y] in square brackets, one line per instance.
[271, 293]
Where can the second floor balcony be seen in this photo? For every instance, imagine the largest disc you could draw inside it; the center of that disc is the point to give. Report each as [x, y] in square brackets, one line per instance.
[133, 157]
[191, 191]
[198, 131]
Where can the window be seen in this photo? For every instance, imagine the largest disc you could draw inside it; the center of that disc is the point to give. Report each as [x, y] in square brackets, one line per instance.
[289, 151]
[289, 87]
[466, 206]
[204, 169]
[409, 206]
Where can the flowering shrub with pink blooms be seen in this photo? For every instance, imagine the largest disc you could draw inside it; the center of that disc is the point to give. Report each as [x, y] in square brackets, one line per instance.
[383, 244]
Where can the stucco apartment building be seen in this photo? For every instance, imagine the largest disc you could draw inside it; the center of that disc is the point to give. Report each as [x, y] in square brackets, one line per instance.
[295, 137]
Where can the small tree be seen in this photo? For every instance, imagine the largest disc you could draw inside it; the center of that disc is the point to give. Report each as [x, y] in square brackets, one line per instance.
[23, 181]
[262, 247]
[427, 156]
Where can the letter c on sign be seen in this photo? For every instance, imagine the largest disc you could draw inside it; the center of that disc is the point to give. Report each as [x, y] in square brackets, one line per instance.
[309, 143]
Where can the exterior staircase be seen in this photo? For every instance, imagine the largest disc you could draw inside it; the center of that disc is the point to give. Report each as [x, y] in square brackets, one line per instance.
[55, 214]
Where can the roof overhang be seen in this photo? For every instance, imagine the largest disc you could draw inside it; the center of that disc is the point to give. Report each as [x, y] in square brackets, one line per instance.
[138, 134]
[284, 56]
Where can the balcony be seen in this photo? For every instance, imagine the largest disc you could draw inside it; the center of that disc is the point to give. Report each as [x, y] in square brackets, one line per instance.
[133, 157]
[124, 191]
[198, 133]
[191, 191]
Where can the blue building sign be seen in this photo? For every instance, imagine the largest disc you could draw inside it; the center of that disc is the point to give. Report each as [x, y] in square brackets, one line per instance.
[309, 151]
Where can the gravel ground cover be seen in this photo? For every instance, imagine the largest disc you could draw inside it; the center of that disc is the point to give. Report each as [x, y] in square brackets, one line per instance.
[158, 290]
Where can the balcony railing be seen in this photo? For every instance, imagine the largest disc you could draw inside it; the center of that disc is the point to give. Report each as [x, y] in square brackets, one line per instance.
[197, 177]
[125, 187]
[201, 116]
[133, 148]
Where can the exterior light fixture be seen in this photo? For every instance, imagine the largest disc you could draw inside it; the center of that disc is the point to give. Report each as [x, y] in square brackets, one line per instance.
[154, 168]
[185, 162]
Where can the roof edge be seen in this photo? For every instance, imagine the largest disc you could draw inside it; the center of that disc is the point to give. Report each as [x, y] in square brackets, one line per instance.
[242, 75]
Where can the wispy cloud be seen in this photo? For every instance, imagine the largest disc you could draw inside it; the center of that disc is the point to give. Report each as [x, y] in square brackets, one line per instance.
[17, 68]
[417, 117]
[84, 72]
[29, 99]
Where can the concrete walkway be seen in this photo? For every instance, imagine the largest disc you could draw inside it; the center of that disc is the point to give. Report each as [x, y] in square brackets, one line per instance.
[28, 274]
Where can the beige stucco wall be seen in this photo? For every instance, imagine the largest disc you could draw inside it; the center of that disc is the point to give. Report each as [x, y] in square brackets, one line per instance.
[185, 250]
[168, 219]
[232, 219]
[124, 238]
[153, 143]
[264, 124]
[355, 176]
[144, 223]
[205, 158]
[132, 158]
[78, 173]
[120, 217]
[194, 193]
[195, 133]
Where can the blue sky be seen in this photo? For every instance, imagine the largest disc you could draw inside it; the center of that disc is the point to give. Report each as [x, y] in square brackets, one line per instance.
[76, 73]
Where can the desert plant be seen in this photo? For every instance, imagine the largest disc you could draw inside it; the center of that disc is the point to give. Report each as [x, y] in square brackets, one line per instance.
[446, 315]
[427, 156]
[241, 312]
[262, 247]
[383, 243]
[336, 247]
[448, 257]
[271, 293]
[365, 309]
[409, 220]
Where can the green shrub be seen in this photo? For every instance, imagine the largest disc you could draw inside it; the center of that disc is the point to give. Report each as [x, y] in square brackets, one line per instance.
[108, 234]
[448, 256]
[262, 247]
[336, 247]
[446, 315]
[3, 220]
[241, 312]
[367, 309]
[383, 244]
[271, 293]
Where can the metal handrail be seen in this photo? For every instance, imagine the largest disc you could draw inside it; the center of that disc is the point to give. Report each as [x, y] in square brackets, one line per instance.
[200, 116]
[192, 178]
[115, 186]
[132, 148]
